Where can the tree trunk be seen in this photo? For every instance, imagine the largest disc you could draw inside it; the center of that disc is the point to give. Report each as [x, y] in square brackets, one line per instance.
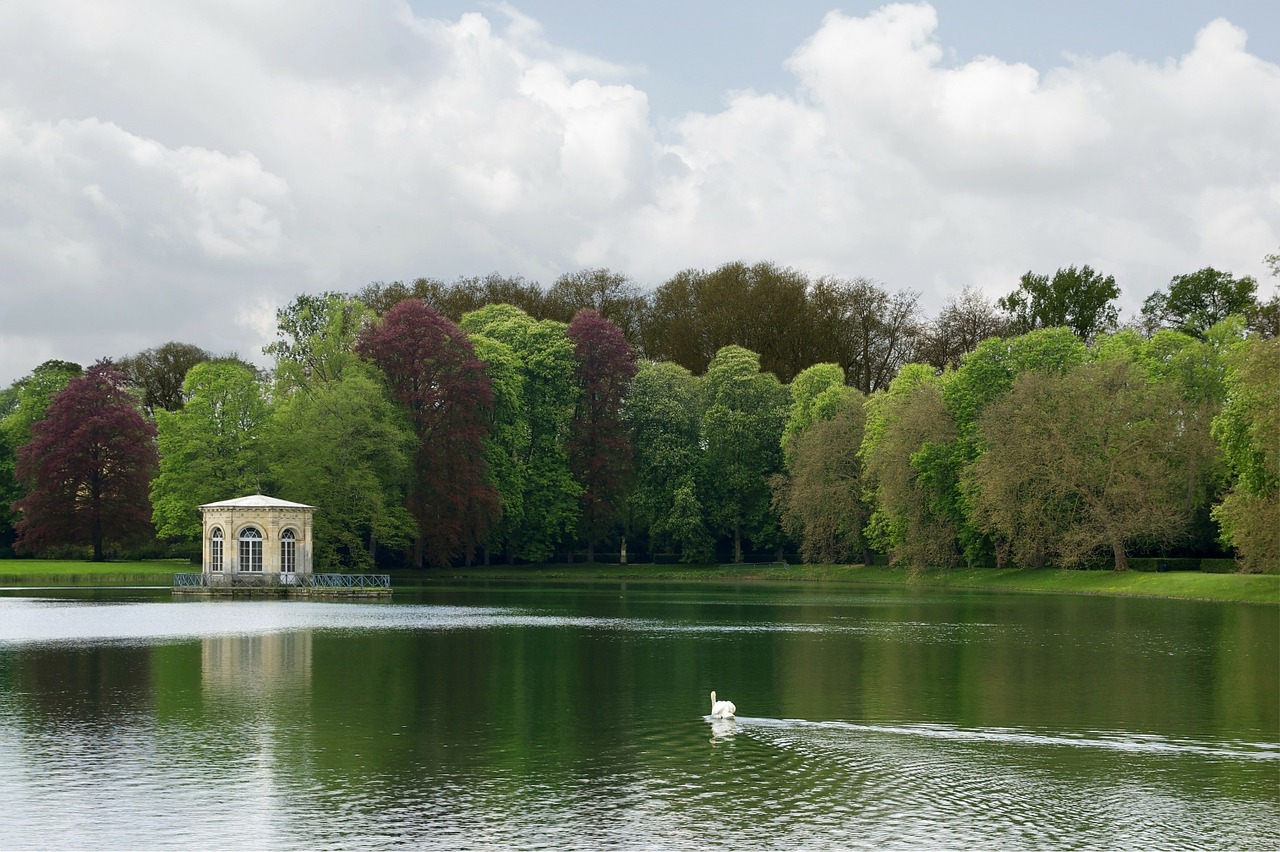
[591, 552]
[417, 551]
[1122, 562]
[373, 547]
[737, 543]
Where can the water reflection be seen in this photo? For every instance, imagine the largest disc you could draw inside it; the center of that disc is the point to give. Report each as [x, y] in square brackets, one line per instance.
[256, 665]
[723, 729]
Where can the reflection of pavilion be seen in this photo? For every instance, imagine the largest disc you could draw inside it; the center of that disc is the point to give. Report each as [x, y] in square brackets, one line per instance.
[256, 664]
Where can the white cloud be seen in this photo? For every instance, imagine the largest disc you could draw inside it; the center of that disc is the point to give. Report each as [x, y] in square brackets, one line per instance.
[175, 170]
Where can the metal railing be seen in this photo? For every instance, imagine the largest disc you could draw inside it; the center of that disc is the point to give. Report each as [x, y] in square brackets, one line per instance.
[245, 580]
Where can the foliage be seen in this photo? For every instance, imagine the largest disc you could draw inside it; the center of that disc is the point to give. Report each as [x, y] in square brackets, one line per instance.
[759, 307]
[506, 446]
[1197, 301]
[434, 375]
[663, 411]
[1081, 461]
[860, 326]
[159, 372]
[345, 448]
[316, 337]
[612, 295]
[820, 497]
[741, 432]
[1246, 430]
[816, 394]
[545, 356]
[901, 421]
[211, 449]
[86, 468]
[1079, 299]
[599, 446]
[960, 326]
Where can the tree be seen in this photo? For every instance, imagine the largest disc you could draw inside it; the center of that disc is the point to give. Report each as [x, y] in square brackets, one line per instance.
[23, 405]
[1079, 299]
[31, 397]
[506, 445]
[860, 326]
[433, 373]
[600, 450]
[160, 371]
[1199, 300]
[212, 448]
[345, 448]
[742, 424]
[820, 497]
[316, 338]
[760, 307]
[961, 325]
[663, 414]
[1246, 429]
[545, 355]
[612, 295]
[87, 468]
[909, 518]
[815, 394]
[1082, 461]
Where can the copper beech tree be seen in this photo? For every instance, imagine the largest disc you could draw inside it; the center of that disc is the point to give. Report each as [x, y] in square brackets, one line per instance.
[599, 444]
[87, 469]
[432, 370]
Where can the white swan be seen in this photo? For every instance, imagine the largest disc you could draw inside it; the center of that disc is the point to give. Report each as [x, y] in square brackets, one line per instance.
[722, 709]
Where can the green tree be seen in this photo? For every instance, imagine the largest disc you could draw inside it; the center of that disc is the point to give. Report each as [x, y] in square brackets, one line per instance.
[211, 449]
[909, 518]
[742, 435]
[1079, 299]
[159, 372]
[761, 307]
[1197, 301]
[316, 338]
[22, 406]
[663, 413]
[820, 497]
[508, 439]
[816, 393]
[1082, 461]
[345, 447]
[1246, 429]
[545, 355]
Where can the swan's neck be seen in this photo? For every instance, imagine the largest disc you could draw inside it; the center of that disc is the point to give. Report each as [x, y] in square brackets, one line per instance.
[713, 699]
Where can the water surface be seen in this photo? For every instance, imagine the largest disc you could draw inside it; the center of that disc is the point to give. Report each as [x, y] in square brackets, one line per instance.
[575, 716]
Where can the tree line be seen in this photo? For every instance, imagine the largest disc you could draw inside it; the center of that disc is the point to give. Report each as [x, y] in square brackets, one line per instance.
[744, 410]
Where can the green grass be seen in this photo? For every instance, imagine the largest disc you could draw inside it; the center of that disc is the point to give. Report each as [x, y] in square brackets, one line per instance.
[1242, 588]
[56, 572]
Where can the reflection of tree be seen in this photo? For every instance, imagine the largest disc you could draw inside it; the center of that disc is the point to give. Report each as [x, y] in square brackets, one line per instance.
[81, 683]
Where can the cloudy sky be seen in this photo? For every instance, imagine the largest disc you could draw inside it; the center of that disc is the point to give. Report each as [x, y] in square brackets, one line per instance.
[176, 171]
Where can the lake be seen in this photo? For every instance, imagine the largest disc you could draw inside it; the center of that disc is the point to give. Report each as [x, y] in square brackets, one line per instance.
[576, 715]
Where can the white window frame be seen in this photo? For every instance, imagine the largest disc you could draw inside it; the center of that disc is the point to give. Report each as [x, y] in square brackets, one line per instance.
[288, 552]
[215, 550]
[251, 550]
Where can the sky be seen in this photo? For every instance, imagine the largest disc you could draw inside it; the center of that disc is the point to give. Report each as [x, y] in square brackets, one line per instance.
[178, 171]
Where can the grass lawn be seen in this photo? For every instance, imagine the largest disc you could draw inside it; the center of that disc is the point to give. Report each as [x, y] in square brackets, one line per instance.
[1242, 588]
[55, 572]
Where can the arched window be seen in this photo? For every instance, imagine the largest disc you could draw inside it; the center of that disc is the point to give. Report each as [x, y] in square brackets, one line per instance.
[288, 552]
[251, 549]
[215, 550]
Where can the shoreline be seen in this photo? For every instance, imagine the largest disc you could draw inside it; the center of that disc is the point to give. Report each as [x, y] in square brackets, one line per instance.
[1181, 585]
